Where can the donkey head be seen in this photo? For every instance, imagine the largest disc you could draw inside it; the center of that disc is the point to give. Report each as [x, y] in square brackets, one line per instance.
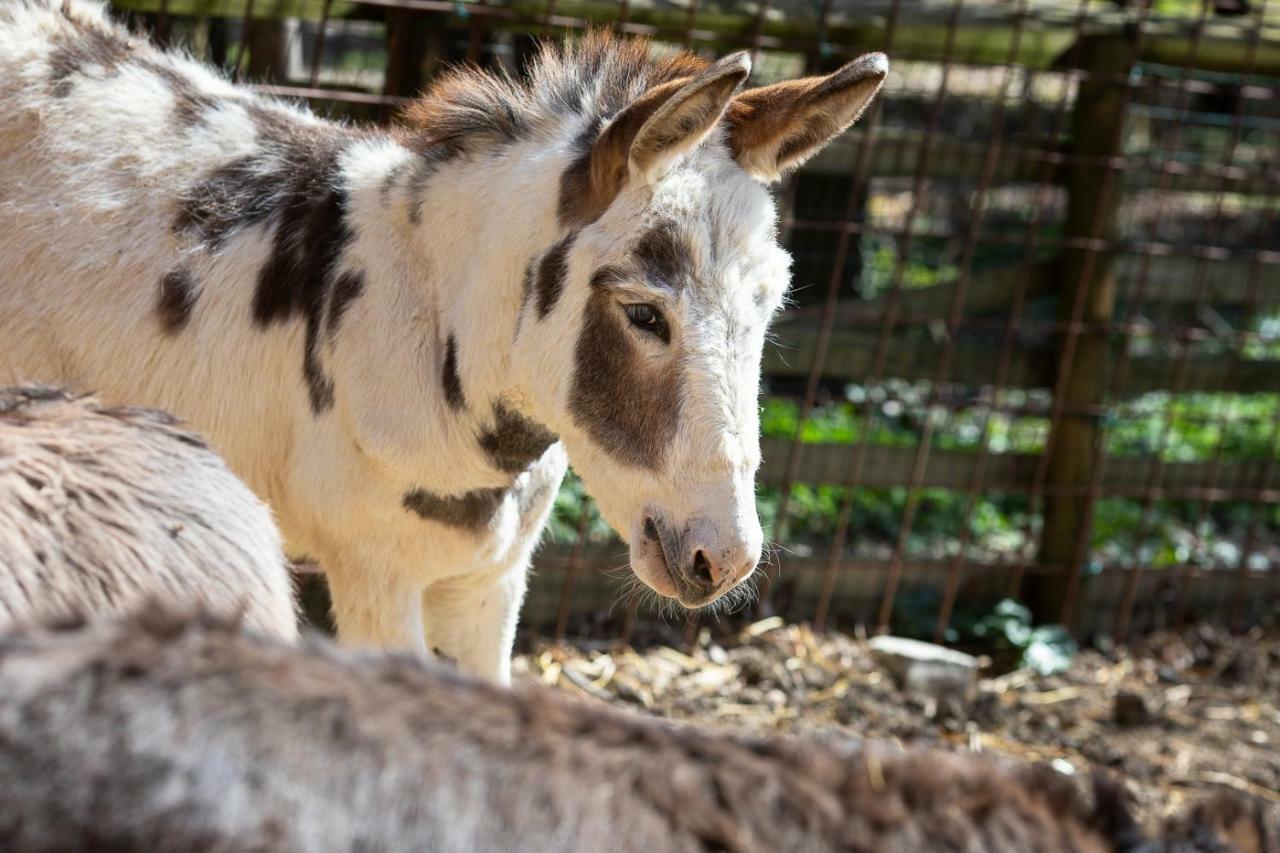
[652, 312]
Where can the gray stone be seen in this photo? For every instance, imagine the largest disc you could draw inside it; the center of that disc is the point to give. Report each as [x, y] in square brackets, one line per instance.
[925, 668]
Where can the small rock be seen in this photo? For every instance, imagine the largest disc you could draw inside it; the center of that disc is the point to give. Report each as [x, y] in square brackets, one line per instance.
[925, 668]
[1130, 709]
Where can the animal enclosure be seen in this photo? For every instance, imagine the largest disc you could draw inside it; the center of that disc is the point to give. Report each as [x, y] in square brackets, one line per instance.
[1035, 342]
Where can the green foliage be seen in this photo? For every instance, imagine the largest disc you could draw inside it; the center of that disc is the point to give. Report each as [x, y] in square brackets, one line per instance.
[1194, 427]
[1001, 628]
[925, 266]
[1188, 428]
[571, 505]
[1049, 650]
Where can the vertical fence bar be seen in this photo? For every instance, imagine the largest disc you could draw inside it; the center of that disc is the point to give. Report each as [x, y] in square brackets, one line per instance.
[871, 126]
[890, 318]
[826, 325]
[1241, 338]
[1251, 537]
[571, 574]
[1087, 296]
[1029, 247]
[317, 57]
[1178, 380]
[246, 23]
[954, 318]
[162, 24]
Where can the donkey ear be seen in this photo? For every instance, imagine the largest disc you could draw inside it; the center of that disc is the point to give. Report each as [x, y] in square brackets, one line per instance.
[776, 128]
[668, 120]
[685, 118]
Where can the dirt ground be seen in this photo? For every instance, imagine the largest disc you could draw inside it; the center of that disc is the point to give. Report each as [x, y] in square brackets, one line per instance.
[1176, 715]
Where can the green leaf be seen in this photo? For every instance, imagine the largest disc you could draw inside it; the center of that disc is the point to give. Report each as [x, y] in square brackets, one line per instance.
[1050, 650]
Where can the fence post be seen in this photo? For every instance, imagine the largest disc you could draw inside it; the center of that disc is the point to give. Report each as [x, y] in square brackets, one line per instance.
[1087, 289]
[418, 46]
[268, 50]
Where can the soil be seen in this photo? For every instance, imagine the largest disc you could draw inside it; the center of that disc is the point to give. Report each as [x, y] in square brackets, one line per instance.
[1174, 715]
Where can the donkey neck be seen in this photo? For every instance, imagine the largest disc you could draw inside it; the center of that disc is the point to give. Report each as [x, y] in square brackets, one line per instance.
[466, 231]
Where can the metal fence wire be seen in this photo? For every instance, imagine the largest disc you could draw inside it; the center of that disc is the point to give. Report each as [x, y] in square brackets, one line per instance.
[1034, 349]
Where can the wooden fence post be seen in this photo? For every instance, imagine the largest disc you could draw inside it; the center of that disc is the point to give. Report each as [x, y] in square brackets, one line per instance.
[268, 50]
[418, 46]
[1087, 289]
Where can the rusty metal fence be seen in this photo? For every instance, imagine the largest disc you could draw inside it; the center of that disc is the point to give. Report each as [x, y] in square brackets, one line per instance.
[1035, 345]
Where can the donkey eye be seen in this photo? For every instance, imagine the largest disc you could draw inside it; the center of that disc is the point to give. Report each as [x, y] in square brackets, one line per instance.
[649, 319]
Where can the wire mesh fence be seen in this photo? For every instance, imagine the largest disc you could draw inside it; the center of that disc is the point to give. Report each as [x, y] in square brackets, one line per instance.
[1034, 342]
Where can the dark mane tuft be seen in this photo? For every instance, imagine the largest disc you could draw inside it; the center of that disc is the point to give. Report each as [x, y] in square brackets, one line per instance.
[594, 76]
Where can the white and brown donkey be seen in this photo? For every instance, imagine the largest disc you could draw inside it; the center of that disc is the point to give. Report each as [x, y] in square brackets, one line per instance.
[396, 337]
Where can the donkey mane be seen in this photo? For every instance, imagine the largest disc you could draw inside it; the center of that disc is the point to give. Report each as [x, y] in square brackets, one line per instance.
[595, 76]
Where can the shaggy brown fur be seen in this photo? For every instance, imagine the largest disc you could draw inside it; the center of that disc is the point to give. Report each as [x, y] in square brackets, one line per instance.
[102, 509]
[163, 734]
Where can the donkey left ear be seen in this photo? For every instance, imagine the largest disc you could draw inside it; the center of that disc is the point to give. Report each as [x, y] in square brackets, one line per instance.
[776, 128]
[670, 119]
[684, 119]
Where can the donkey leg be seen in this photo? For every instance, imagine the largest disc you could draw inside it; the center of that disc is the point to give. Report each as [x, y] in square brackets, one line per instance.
[374, 609]
[472, 619]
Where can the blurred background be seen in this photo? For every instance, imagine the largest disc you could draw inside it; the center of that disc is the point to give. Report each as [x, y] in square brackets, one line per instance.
[1034, 351]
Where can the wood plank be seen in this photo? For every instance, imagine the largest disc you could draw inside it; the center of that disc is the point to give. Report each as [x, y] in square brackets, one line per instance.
[897, 154]
[914, 355]
[859, 584]
[1167, 279]
[985, 37]
[1125, 476]
[310, 10]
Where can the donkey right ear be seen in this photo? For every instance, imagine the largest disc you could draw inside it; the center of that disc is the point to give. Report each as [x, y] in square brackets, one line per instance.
[644, 139]
[775, 128]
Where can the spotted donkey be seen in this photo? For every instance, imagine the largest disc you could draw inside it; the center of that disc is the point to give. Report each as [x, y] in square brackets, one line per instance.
[397, 337]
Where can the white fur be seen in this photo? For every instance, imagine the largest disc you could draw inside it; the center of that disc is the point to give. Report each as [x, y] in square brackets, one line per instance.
[88, 189]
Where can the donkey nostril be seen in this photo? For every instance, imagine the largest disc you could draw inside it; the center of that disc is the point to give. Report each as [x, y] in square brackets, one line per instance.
[702, 568]
[650, 529]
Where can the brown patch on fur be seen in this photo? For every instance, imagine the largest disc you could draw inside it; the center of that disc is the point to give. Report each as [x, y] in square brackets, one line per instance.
[449, 377]
[189, 103]
[292, 182]
[472, 511]
[577, 206]
[346, 289]
[514, 442]
[664, 255]
[108, 50]
[627, 407]
[553, 269]
[527, 285]
[177, 300]
[91, 47]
